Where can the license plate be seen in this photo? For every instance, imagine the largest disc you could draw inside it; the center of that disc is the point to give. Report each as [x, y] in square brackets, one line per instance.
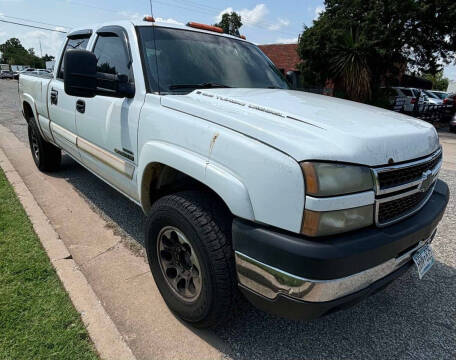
[424, 259]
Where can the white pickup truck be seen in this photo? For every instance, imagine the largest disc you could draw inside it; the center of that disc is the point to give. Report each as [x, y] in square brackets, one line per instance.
[305, 203]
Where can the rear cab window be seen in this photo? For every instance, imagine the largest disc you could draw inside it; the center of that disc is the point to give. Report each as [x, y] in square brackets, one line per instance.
[76, 40]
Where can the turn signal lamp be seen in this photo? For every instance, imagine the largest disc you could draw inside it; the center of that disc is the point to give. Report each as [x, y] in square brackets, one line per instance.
[243, 37]
[205, 27]
[149, 18]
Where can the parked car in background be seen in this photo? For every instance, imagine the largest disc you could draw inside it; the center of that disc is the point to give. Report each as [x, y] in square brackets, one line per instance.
[26, 71]
[450, 99]
[440, 94]
[432, 98]
[6, 74]
[410, 97]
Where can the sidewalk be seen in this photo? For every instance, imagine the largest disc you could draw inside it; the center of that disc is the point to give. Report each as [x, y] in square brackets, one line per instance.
[121, 280]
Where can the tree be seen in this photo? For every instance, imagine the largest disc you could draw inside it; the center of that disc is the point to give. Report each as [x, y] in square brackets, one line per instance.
[14, 53]
[47, 57]
[438, 81]
[230, 23]
[350, 64]
[355, 42]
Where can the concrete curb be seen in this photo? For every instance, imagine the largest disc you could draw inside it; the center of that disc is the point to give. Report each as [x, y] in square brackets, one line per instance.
[103, 332]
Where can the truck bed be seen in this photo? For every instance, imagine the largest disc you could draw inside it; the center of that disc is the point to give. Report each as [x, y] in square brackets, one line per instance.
[35, 87]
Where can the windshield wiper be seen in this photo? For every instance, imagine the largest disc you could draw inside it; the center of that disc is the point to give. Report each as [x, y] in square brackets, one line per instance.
[207, 85]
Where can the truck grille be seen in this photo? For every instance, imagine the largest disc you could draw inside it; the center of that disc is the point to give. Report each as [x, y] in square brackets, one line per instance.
[402, 190]
[400, 176]
[395, 209]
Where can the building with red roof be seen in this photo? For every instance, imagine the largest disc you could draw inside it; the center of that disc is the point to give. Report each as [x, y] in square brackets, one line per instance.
[284, 56]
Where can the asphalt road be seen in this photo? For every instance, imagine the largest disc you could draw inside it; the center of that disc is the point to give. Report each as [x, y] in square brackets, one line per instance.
[411, 319]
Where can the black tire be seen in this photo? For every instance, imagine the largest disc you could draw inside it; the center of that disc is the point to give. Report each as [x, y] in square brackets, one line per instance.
[47, 157]
[207, 227]
[453, 129]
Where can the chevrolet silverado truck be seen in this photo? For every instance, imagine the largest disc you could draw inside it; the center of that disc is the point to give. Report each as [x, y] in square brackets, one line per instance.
[303, 202]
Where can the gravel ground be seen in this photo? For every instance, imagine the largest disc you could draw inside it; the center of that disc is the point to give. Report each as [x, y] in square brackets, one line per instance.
[411, 319]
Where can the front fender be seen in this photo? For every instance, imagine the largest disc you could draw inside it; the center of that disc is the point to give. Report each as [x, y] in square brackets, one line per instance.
[218, 178]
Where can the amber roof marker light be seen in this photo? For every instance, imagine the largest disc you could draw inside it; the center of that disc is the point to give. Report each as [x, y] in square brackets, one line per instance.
[149, 18]
[205, 27]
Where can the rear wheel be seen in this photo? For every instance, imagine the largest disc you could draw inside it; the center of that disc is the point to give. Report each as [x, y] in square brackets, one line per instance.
[188, 243]
[46, 156]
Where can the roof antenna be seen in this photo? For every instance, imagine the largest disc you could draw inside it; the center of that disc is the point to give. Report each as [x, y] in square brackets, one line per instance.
[151, 8]
[150, 18]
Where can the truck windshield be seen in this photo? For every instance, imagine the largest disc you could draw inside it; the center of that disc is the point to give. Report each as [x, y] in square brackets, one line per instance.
[180, 61]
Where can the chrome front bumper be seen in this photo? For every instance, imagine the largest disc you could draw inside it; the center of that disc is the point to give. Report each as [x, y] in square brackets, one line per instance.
[269, 282]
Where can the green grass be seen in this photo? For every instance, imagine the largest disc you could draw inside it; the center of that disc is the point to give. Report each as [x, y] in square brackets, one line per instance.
[37, 318]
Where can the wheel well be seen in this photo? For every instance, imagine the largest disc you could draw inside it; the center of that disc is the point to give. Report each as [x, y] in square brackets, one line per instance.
[160, 180]
[28, 112]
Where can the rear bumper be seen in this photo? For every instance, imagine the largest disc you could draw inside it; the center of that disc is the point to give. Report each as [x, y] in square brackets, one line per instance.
[299, 277]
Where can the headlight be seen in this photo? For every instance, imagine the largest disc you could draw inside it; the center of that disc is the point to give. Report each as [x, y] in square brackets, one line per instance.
[326, 179]
[331, 180]
[317, 223]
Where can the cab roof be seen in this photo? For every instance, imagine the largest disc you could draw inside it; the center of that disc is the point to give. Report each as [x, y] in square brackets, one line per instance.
[127, 23]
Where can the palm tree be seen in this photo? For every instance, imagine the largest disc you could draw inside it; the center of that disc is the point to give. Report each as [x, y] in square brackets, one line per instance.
[349, 65]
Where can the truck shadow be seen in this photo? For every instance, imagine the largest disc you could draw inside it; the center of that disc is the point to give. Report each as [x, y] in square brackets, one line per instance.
[106, 201]
[410, 319]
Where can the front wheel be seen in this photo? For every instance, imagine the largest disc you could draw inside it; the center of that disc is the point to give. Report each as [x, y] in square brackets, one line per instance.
[46, 156]
[188, 244]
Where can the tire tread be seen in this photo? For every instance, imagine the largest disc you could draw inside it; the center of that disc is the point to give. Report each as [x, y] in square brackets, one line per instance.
[206, 212]
[50, 155]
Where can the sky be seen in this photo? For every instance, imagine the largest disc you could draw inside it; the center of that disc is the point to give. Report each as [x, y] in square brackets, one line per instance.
[265, 21]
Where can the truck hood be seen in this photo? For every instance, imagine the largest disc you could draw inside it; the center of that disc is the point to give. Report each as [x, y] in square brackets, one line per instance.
[312, 127]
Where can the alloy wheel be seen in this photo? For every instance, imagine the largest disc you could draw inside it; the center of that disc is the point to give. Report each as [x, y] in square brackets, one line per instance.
[179, 264]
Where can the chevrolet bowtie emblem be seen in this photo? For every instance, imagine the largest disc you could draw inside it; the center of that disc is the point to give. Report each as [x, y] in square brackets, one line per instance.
[426, 181]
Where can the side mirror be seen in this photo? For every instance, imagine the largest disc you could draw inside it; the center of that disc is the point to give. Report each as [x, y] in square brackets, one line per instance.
[114, 85]
[80, 73]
